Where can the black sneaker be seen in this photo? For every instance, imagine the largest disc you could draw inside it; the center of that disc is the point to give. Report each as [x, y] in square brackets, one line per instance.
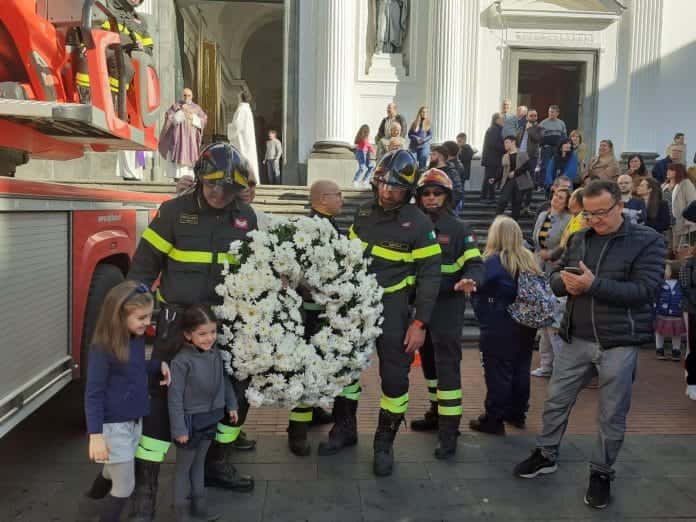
[598, 492]
[535, 465]
[660, 352]
[676, 355]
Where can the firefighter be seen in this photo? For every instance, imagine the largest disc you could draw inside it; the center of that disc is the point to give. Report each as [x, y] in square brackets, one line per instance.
[326, 201]
[441, 354]
[405, 255]
[186, 246]
[132, 29]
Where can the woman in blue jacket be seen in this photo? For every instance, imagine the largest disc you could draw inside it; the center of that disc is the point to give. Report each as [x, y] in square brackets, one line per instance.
[420, 135]
[506, 346]
[563, 163]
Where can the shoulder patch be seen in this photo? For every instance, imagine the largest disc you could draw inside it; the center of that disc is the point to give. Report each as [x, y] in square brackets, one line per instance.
[241, 223]
[364, 212]
[470, 238]
[188, 219]
[431, 234]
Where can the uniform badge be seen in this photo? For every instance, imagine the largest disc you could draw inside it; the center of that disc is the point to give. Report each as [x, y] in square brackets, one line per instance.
[406, 224]
[443, 239]
[364, 212]
[188, 219]
[241, 223]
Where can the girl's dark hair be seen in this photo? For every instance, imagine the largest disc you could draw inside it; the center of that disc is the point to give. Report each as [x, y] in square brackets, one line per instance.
[111, 331]
[641, 169]
[559, 149]
[195, 316]
[363, 133]
[679, 171]
[655, 198]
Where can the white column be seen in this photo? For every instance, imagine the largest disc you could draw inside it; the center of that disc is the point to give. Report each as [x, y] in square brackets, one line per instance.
[470, 77]
[644, 64]
[446, 64]
[335, 33]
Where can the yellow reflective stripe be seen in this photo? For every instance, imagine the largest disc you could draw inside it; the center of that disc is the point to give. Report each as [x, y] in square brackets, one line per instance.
[432, 397]
[227, 434]
[152, 450]
[157, 241]
[407, 281]
[229, 258]
[351, 392]
[450, 269]
[301, 416]
[191, 256]
[218, 174]
[82, 79]
[198, 256]
[468, 254]
[446, 395]
[121, 28]
[239, 179]
[449, 410]
[160, 298]
[352, 234]
[394, 404]
[391, 255]
[431, 383]
[428, 251]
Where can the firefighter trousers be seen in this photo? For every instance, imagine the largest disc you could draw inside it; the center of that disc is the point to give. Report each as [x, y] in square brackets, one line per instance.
[394, 362]
[441, 355]
[156, 437]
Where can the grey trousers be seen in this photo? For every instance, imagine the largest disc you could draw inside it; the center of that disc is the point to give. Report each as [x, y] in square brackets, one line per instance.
[574, 366]
[189, 472]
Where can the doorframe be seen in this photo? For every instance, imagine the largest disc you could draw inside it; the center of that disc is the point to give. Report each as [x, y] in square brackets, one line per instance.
[587, 117]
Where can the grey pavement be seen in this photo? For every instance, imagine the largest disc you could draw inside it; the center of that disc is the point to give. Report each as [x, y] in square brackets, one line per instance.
[45, 472]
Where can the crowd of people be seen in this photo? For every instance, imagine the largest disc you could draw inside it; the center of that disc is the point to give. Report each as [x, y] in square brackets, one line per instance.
[595, 283]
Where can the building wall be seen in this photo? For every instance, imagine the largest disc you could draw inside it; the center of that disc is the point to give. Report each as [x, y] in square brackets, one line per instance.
[644, 75]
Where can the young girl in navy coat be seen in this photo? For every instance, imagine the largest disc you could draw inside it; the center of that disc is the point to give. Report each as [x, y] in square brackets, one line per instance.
[668, 310]
[116, 396]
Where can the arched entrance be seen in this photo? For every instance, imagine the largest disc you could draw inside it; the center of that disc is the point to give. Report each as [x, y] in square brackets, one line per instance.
[262, 69]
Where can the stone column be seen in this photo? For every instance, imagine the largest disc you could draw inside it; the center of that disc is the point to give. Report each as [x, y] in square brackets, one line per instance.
[446, 61]
[335, 33]
[641, 109]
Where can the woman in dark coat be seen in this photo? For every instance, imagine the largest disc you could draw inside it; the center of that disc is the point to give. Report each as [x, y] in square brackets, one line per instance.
[506, 345]
[492, 158]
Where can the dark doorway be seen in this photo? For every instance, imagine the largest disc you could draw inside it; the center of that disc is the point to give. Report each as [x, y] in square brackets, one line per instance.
[545, 83]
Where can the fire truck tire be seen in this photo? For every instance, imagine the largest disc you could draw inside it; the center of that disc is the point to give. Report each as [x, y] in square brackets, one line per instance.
[105, 277]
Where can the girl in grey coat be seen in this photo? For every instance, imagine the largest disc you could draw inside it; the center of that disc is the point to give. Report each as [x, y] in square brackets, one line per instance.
[201, 394]
[548, 230]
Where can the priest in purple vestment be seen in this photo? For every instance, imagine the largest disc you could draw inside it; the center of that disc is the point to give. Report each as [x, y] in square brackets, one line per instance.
[180, 139]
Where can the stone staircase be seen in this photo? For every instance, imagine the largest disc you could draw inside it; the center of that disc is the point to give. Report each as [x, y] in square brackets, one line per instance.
[294, 201]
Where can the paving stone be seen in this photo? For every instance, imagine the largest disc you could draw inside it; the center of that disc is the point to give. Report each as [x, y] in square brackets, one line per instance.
[317, 501]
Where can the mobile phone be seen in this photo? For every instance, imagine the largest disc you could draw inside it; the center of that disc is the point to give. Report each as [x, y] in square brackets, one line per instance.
[572, 269]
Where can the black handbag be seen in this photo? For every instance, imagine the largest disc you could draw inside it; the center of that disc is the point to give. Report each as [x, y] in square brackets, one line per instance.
[524, 182]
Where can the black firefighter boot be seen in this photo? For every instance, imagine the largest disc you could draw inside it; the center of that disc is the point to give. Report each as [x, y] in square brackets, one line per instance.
[387, 427]
[221, 473]
[344, 432]
[144, 497]
[447, 434]
[297, 438]
[429, 420]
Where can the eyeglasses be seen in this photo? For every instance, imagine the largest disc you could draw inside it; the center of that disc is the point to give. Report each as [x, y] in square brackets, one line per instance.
[598, 213]
[436, 193]
[140, 289]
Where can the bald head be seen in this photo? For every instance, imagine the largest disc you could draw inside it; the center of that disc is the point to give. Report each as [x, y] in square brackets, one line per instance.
[326, 197]
[625, 183]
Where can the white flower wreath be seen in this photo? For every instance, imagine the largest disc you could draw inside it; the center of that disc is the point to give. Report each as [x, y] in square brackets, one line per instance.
[262, 332]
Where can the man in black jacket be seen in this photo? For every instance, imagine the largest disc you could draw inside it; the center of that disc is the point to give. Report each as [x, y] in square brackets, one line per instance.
[610, 273]
[391, 117]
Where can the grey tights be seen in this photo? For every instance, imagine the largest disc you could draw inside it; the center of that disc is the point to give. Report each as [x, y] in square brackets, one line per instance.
[190, 464]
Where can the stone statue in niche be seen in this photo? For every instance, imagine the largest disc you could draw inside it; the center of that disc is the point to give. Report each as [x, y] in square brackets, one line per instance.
[392, 25]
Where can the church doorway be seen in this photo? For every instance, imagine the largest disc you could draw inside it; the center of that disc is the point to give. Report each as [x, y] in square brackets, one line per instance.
[565, 78]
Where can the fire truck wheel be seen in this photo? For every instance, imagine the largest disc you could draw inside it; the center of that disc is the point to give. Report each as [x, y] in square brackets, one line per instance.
[105, 277]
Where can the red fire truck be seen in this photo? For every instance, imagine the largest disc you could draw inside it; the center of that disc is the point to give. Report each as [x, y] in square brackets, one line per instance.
[63, 247]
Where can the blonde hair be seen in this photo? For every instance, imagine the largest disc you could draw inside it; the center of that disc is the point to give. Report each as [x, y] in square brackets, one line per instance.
[505, 239]
[111, 332]
[420, 119]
